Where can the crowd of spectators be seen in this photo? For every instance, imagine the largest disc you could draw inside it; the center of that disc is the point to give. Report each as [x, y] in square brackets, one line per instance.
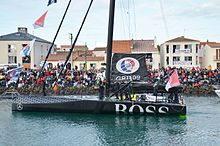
[52, 77]
[188, 77]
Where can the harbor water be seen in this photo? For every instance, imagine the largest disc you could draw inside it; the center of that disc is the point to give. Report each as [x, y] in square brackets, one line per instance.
[200, 127]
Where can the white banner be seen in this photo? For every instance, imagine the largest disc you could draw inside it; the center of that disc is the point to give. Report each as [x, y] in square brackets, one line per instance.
[182, 62]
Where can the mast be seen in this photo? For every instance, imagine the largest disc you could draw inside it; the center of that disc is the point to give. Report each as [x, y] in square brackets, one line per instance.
[109, 46]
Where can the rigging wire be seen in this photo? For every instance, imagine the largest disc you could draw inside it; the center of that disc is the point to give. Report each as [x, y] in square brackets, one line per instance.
[55, 36]
[129, 20]
[135, 26]
[123, 25]
[164, 19]
[125, 12]
[128, 11]
[49, 51]
[73, 45]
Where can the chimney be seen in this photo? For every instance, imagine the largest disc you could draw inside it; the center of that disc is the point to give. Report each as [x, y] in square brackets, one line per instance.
[132, 43]
[22, 29]
[155, 42]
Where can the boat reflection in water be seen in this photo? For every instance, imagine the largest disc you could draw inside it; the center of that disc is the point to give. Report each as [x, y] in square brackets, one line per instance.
[90, 129]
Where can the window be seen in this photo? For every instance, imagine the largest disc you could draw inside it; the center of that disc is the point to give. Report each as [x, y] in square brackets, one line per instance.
[217, 54]
[41, 51]
[149, 58]
[176, 60]
[176, 48]
[26, 59]
[167, 60]
[11, 49]
[189, 59]
[23, 45]
[188, 48]
[197, 48]
[196, 60]
[92, 66]
[81, 66]
[12, 59]
[167, 48]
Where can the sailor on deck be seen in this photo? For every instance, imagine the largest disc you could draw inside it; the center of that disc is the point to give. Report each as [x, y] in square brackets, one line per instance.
[101, 89]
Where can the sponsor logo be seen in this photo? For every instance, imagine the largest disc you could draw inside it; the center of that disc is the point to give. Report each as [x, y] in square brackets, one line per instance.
[127, 65]
[122, 108]
[19, 106]
[131, 78]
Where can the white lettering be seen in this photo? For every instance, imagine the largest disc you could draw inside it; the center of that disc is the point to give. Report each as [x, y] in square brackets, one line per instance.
[123, 78]
[148, 110]
[162, 111]
[117, 108]
[134, 77]
[135, 105]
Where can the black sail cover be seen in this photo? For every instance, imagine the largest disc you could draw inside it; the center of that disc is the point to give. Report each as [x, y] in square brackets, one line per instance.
[129, 67]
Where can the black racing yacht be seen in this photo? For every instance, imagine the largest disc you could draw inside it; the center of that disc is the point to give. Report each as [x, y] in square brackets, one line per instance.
[125, 92]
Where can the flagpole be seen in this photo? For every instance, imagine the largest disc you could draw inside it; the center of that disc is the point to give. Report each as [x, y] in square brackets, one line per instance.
[71, 57]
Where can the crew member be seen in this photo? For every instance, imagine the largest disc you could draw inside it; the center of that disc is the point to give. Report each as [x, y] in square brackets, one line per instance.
[101, 89]
[174, 94]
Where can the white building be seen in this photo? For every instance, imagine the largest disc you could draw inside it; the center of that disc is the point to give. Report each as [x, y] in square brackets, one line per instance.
[149, 48]
[146, 47]
[210, 55]
[12, 44]
[180, 52]
[79, 58]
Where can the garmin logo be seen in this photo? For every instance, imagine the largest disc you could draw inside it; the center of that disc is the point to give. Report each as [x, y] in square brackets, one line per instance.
[122, 108]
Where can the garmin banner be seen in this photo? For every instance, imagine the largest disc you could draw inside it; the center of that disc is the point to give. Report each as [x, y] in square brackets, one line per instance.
[129, 67]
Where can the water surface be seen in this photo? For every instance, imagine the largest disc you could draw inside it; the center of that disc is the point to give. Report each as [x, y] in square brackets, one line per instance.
[201, 127]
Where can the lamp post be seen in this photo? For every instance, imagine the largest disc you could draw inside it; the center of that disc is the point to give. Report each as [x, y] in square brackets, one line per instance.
[85, 66]
[71, 57]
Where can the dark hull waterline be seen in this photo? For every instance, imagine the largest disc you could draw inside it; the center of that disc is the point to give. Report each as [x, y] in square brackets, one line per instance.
[95, 106]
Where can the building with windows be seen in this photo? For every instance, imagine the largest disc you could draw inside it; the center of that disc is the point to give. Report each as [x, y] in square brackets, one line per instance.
[147, 47]
[210, 55]
[76, 48]
[97, 58]
[81, 57]
[12, 45]
[180, 52]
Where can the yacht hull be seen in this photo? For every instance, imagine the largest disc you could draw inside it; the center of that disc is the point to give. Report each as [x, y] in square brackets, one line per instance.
[100, 107]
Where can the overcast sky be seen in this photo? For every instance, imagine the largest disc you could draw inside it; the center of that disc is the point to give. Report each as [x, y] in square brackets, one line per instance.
[137, 19]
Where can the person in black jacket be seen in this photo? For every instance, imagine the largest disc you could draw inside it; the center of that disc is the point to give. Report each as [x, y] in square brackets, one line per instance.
[101, 89]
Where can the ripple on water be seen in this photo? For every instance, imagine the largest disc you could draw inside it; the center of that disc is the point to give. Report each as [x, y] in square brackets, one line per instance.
[199, 128]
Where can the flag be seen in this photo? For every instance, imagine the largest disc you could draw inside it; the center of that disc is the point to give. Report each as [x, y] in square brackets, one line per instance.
[51, 2]
[14, 72]
[13, 80]
[40, 21]
[27, 49]
[173, 81]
